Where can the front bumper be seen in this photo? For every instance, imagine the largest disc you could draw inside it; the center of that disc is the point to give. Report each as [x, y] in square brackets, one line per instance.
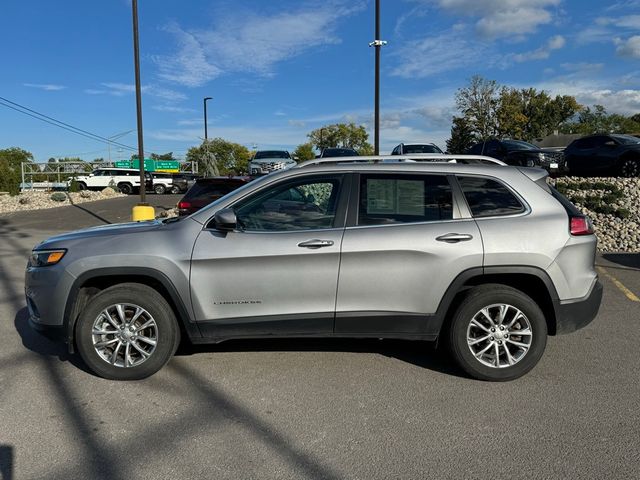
[574, 315]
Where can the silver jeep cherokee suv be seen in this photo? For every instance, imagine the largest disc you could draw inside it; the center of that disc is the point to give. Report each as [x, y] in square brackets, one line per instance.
[487, 259]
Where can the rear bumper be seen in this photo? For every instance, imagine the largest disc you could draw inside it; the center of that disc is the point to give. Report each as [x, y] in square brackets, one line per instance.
[574, 315]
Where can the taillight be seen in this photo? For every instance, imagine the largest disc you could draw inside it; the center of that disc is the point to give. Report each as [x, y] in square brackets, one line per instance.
[184, 205]
[580, 226]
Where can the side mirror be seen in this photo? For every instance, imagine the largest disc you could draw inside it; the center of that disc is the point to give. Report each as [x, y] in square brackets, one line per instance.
[225, 220]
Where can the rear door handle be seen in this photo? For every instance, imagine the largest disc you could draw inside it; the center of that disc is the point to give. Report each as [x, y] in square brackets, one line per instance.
[316, 243]
[454, 237]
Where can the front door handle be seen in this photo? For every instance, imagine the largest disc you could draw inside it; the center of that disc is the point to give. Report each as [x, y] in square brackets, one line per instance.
[454, 237]
[316, 243]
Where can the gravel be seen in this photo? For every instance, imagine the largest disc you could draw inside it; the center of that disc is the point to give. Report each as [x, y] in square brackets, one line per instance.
[33, 200]
[614, 234]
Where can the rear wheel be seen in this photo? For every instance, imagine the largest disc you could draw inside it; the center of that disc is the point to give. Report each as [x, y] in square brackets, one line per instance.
[81, 185]
[175, 189]
[125, 188]
[127, 332]
[630, 167]
[159, 189]
[498, 333]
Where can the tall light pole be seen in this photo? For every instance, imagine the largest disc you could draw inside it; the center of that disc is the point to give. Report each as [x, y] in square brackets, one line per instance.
[205, 117]
[377, 44]
[142, 211]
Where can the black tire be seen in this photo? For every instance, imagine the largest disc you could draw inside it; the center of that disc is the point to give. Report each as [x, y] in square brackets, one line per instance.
[629, 167]
[462, 332]
[159, 189]
[175, 189]
[81, 185]
[125, 188]
[165, 331]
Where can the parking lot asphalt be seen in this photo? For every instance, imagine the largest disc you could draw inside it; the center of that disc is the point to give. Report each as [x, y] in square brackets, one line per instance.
[352, 409]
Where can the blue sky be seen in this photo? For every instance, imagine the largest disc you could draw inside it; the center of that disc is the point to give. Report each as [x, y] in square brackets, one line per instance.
[278, 69]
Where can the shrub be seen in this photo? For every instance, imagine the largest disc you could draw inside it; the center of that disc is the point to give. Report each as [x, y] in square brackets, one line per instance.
[73, 186]
[58, 197]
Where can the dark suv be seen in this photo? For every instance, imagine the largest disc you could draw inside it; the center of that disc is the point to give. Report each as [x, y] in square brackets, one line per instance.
[206, 190]
[604, 155]
[338, 152]
[519, 153]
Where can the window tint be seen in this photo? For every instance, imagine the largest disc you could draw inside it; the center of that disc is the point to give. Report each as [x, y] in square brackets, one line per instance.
[306, 205]
[487, 198]
[389, 199]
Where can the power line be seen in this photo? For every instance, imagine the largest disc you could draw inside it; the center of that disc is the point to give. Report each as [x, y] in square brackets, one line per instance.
[57, 123]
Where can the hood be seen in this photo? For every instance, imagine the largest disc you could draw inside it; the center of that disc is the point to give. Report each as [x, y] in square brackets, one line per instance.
[101, 231]
[273, 160]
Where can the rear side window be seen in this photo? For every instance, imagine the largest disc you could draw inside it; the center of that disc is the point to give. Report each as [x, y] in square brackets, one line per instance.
[207, 191]
[389, 199]
[488, 198]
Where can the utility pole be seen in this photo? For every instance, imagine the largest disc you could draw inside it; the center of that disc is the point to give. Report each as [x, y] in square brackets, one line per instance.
[377, 44]
[205, 118]
[142, 211]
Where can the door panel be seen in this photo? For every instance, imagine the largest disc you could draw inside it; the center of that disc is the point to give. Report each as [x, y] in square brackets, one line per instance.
[278, 273]
[242, 282]
[402, 270]
[406, 247]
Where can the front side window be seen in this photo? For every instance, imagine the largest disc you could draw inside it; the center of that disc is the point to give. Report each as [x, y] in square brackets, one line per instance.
[488, 198]
[301, 205]
[392, 199]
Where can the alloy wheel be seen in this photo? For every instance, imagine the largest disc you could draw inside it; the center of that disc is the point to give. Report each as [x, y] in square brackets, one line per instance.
[124, 335]
[499, 335]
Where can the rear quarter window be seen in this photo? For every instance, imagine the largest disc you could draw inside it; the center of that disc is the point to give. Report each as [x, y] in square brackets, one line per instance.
[489, 198]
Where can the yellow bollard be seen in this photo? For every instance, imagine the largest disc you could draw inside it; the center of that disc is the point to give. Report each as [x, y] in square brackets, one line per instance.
[143, 212]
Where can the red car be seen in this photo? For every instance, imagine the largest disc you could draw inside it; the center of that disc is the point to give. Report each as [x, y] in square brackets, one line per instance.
[207, 190]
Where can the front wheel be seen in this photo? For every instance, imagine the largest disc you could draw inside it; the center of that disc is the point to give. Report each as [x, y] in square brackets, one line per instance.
[127, 332]
[125, 188]
[630, 167]
[175, 189]
[498, 333]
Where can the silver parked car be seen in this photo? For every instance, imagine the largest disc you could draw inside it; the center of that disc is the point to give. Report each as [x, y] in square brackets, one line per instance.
[487, 259]
[267, 161]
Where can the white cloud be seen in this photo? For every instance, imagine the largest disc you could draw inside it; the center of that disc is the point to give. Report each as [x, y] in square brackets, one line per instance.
[438, 54]
[629, 48]
[501, 18]
[554, 43]
[173, 109]
[250, 43]
[121, 89]
[606, 28]
[48, 87]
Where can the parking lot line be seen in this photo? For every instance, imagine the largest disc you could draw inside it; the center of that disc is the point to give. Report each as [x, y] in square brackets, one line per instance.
[628, 293]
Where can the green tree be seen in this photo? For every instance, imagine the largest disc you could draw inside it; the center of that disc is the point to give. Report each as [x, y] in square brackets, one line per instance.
[478, 103]
[11, 160]
[528, 114]
[304, 152]
[462, 137]
[220, 157]
[597, 120]
[345, 135]
[163, 156]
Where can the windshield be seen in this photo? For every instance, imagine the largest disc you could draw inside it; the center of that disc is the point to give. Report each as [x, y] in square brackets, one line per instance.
[518, 145]
[339, 152]
[421, 149]
[626, 139]
[272, 154]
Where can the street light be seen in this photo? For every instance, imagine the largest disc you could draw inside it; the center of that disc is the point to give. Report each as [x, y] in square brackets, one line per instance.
[205, 117]
[377, 44]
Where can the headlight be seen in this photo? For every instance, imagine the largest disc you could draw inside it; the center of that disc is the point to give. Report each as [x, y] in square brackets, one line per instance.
[45, 258]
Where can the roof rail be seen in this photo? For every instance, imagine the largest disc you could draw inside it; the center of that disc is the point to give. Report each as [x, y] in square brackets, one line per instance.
[410, 158]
